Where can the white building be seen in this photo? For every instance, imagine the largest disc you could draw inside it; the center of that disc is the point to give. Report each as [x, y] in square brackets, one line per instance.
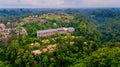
[50, 32]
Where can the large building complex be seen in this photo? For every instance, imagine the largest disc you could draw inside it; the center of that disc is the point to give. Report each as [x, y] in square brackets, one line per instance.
[43, 33]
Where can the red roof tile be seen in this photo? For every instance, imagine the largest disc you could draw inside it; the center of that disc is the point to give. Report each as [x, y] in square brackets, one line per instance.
[2, 25]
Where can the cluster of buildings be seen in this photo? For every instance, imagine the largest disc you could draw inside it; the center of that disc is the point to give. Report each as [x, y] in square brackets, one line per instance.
[6, 32]
[43, 33]
[43, 19]
[36, 18]
[59, 15]
[49, 48]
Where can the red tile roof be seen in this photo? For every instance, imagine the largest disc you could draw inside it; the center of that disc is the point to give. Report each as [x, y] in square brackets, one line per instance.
[2, 25]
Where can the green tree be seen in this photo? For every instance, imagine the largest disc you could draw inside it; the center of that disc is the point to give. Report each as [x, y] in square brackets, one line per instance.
[103, 57]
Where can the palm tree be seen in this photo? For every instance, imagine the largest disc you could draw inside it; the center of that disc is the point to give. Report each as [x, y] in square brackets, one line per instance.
[19, 28]
[0, 36]
[13, 33]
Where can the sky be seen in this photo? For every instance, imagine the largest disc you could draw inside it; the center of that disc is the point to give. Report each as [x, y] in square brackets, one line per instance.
[59, 3]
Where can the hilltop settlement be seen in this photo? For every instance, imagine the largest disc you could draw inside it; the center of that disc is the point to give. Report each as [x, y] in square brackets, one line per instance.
[60, 37]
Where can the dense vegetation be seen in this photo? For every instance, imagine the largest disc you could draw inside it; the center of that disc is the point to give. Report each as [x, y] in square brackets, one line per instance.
[96, 39]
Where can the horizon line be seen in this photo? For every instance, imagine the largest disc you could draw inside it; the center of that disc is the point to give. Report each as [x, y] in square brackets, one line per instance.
[55, 7]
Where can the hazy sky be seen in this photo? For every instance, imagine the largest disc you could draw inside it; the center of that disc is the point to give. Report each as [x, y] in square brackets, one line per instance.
[58, 3]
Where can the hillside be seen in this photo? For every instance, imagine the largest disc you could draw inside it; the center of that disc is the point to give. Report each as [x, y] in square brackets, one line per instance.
[95, 42]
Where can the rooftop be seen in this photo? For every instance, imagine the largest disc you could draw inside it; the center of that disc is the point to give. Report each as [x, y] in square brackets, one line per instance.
[2, 25]
[54, 30]
[44, 31]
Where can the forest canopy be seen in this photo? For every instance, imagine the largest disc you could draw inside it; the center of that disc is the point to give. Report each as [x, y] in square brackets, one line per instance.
[94, 43]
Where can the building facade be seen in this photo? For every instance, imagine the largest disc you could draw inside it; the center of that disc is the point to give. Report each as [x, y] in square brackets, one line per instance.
[43, 33]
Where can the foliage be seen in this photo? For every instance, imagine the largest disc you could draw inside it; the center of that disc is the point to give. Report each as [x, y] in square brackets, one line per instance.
[95, 41]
